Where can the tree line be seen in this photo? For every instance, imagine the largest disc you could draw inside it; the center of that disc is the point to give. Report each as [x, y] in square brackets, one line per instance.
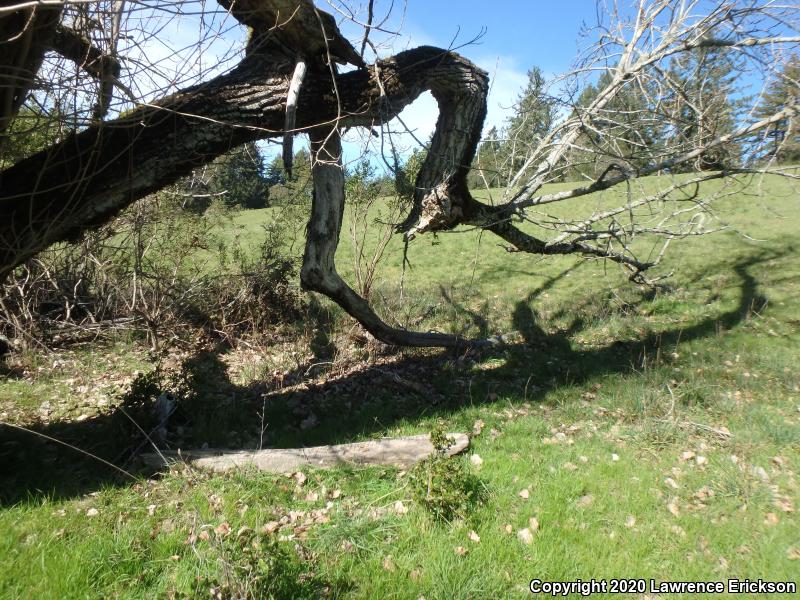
[704, 103]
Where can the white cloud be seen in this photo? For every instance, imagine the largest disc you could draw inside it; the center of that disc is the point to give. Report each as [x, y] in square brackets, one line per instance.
[507, 81]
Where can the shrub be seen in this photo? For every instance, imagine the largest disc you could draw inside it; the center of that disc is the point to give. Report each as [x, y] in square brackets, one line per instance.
[445, 485]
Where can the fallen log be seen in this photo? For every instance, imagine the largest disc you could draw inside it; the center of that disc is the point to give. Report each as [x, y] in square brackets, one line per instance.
[397, 452]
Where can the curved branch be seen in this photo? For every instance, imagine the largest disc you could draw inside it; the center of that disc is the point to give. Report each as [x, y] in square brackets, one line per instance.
[87, 178]
[322, 238]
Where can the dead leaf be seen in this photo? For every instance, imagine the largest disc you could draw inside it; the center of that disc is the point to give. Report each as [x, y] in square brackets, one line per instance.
[771, 519]
[585, 500]
[630, 521]
[673, 507]
[477, 427]
[472, 535]
[687, 455]
[243, 530]
[701, 461]
[312, 497]
[678, 530]
[271, 527]
[222, 529]
[704, 493]
[533, 524]
[400, 508]
[793, 553]
[508, 529]
[460, 550]
[614, 457]
[784, 503]
[525, 494]
[476, 460]
[299, 477]
[92, 512]
[336, 493]
[525, 536]
[669, 481]
[388, 564]
[415, 575]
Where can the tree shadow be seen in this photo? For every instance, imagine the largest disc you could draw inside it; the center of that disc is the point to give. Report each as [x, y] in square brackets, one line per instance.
[327, 409]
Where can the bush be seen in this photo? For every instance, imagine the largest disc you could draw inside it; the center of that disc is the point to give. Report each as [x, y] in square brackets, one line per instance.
[445, 485]
[159, 269]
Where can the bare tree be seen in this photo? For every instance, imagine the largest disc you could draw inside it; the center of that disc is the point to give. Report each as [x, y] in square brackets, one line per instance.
[635, 124]
[286, 81]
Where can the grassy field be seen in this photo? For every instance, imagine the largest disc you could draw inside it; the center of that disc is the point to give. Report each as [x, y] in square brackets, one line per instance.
[629, 433]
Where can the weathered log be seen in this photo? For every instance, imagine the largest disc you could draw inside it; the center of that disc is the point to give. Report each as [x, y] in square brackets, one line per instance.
[400, 452]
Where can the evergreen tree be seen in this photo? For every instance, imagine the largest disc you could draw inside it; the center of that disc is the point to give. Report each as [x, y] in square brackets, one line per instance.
[502, 154]
[31, 130]
[534, 114]
[488, 162]
[784, 146]
[275, 174]
[296, 190]
[703, 108]
[623, 133]
[240, 175]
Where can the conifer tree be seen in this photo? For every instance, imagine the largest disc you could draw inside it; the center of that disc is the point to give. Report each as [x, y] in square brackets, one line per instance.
[784, 135]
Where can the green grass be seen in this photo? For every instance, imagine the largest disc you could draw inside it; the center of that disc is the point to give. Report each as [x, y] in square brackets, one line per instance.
[657, 436]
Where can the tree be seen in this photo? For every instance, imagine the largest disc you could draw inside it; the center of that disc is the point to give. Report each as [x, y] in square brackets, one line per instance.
[701, 108]
[275, 174]
[784, 135]
[239, 177]
[286, 81]
[534, 115]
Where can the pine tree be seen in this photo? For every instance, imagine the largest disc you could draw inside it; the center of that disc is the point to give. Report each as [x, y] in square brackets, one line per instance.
[488, 162]
[240, 175]
[784, 136]
[503, 154]
[534, 114]
[275, 173]
[703, 110]
[622, 133]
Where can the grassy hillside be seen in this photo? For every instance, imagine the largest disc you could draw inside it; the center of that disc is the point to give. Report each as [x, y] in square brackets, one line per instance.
[628, 433]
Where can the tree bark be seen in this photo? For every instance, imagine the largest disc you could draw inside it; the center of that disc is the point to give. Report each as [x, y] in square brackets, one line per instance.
[25, 36]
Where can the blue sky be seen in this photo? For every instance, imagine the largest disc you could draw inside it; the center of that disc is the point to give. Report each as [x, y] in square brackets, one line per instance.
[517, 35]
[523, 33]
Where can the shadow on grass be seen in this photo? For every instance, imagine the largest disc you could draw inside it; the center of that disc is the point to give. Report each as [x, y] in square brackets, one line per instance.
[363, 402]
